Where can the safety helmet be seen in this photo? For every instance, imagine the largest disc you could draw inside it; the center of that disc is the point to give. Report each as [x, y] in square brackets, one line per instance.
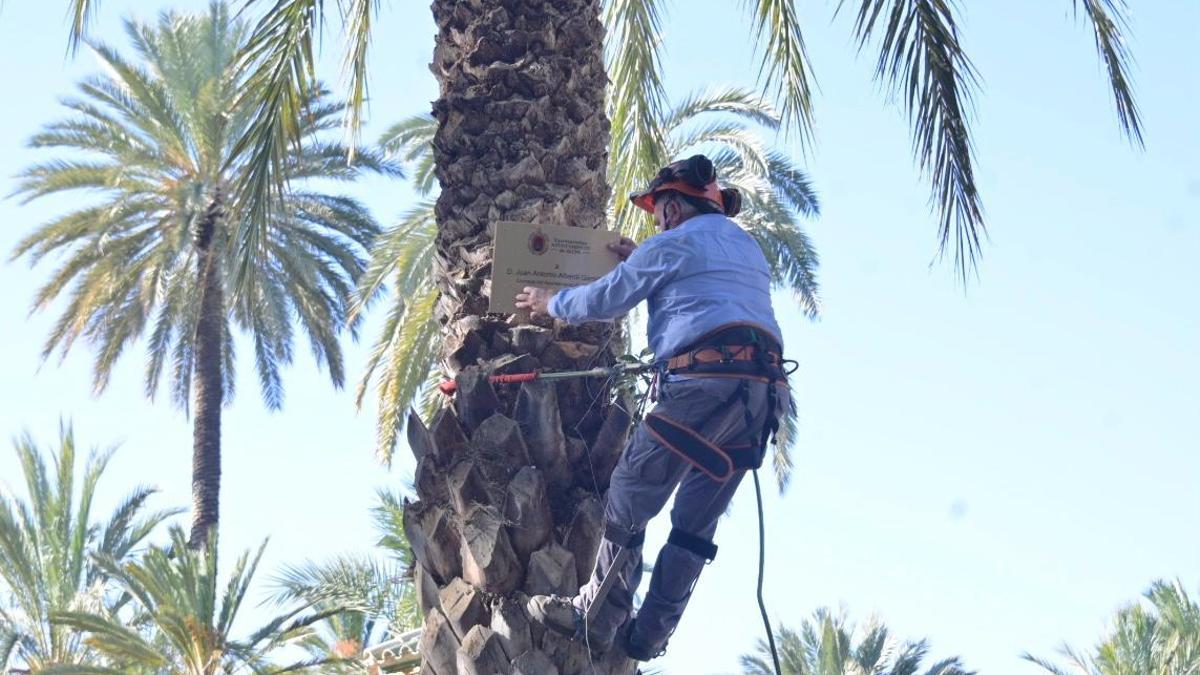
[695, 177]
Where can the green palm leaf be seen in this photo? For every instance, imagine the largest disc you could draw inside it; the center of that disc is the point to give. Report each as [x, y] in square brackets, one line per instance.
[47, 548]
[358, 16]
[636, 101]
[117, 642]
[82, 13]
[922, 60]
[826, 644]
[785, 66]
[377, 594]
[180, 616]
[1109, 24]
[1161, 635]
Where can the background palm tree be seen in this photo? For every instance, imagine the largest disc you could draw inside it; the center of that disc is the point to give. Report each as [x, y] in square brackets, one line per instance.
[725, 123]
[827, 645]
[159, 255]
[376, 593]
[1161, 635]
[46, 548]
[180, 621]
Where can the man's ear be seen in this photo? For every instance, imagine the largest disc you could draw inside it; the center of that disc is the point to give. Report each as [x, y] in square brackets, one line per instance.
[671, 211]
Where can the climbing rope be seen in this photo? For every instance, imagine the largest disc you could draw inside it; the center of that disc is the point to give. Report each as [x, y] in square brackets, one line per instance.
[762, 564]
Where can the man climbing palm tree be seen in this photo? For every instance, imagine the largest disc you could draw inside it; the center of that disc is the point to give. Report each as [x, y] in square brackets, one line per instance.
[720, 389]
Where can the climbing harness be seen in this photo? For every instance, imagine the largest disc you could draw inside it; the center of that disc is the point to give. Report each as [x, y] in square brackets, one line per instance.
[740, 351]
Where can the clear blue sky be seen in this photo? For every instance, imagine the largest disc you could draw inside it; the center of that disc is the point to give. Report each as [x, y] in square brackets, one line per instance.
[997, 470]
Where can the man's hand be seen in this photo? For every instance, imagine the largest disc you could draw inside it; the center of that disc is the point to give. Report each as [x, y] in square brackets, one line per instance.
[623, 248]
[536, 300]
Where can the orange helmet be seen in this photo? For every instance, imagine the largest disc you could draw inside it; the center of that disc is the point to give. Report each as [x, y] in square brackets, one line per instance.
[694, 176]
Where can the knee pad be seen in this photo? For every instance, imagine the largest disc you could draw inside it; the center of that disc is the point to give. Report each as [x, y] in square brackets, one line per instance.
[687, 541]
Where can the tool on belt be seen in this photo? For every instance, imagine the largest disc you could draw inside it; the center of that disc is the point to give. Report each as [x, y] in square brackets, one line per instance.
[448, 387]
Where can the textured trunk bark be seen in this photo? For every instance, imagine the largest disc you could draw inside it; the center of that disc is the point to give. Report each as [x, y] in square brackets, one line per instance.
[510, 481]
[207, 384]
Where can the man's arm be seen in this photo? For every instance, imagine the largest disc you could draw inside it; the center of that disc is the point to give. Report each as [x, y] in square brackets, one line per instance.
[610, 296]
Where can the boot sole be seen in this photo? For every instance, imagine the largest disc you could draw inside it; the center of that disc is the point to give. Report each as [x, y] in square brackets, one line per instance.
[535, 612]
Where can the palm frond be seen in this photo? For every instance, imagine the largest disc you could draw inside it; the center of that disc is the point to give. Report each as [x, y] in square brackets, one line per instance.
[734, 101]
[1109, 21]
[49, 546]
[826, 644]
[431, 397]
[80, 669]
[409, 138]
[637, 99]
[411, 141]
[785, 65]
[182, 614]
[358, 18]
[785, 443]
[792, 185]
[790, 255]
[405, 351]
[369, 592]
[403, 253]
[388, 516]
[118, 642]
[752, 153]
[407, 345]
[1159, 635]
[280, 61]
[8, 643]
[923, 62]
[140, 90]
[1047, 665]
[82, 13]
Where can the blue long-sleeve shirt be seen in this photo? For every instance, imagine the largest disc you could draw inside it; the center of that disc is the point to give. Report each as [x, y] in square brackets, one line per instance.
[705, 273]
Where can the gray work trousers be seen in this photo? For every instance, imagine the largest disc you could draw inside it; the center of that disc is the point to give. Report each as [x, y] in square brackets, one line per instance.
[641, 484]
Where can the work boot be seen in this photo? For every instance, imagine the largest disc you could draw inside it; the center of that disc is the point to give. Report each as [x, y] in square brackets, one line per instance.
[635, 648]
[559, 614]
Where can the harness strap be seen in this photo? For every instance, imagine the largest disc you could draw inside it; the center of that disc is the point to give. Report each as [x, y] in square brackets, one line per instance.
[718, 462]
[694, 447]
[687, 541]
[744, 389]
[722, 354]
[771, 423]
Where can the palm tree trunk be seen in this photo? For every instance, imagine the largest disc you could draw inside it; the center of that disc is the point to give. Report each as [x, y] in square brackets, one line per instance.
[510, 480]
[207, 385]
